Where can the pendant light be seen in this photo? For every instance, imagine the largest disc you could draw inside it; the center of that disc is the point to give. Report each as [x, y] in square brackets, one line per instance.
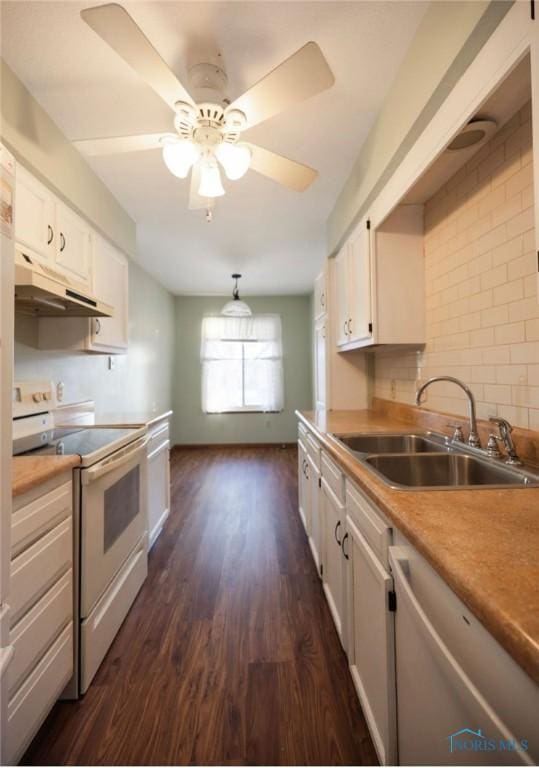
[236, 307]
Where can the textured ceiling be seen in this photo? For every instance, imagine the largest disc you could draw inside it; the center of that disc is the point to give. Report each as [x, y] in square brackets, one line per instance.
[276, 237]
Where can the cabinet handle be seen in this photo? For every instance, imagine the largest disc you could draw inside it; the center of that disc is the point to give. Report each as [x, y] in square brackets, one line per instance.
[336, 529]
[323, 331]
[350, 327]
[50, 234]
[345, 537]
[62, 242]
[306, 468]
[346, 327]
[97, 326]
[323, 300]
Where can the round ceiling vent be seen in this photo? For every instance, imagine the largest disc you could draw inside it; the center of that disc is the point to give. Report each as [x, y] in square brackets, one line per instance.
[473, 133]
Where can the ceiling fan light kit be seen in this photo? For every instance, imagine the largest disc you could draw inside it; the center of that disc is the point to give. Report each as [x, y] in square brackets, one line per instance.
[210, 130]
[180, 156]
[210, 178]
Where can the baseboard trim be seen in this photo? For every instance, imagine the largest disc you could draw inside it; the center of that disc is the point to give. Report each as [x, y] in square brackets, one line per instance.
[181, 446]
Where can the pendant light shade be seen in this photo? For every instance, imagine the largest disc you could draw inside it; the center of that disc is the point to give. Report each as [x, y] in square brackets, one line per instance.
[179, 156]
[235, 159]
[210, 179]
[236, 307]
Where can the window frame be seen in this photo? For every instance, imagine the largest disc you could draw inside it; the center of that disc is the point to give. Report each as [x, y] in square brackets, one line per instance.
[248, 408]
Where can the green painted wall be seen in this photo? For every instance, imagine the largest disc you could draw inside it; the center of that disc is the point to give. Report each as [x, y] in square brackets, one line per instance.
[449, 37]
[191, 426]
[141, 379]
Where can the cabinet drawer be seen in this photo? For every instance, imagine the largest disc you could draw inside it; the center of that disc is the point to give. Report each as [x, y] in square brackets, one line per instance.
[158, 433]
[38, 567]
[333, 477]
[35, 632]
[100, 628]
[370, 523]
[33, 520]
[33, 701]
[313, 449]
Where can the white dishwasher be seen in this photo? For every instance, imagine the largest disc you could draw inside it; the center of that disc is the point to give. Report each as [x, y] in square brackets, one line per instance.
[461, 699]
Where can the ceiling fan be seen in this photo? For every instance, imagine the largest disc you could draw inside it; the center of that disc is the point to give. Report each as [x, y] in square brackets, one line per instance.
[208, 134]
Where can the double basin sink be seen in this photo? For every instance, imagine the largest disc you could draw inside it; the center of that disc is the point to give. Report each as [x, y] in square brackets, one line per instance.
[432, 462]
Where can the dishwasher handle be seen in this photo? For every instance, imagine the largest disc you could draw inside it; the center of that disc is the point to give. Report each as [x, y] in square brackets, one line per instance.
[116, 461]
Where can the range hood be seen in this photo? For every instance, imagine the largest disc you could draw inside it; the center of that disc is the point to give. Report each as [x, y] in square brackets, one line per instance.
[43, 291]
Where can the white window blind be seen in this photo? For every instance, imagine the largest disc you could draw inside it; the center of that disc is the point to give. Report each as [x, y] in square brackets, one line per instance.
[242, 367]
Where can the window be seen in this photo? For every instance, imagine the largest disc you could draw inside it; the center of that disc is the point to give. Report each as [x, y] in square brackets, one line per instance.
[242, 366]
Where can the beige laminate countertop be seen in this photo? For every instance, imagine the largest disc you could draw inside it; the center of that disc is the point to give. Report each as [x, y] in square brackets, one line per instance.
[136, 419]
[484, 543]
[29, 471]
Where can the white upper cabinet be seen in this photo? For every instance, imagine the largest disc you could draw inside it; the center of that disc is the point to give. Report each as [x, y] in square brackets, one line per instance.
[380, 283]
[320, 294]
[51, 231]
[341, 313]
[110, 334]
[73, 246]
[359, 295]
[34, 218]
[353, 289]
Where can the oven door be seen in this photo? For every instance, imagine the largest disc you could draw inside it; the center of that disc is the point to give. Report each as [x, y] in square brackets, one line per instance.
[113, 518]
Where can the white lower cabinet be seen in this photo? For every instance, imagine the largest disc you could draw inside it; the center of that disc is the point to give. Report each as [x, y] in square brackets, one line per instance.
[371, 649]
[313, 495]
[303, 485]
[435, 687]
[41, 622]
[332, 520]
[158, 452]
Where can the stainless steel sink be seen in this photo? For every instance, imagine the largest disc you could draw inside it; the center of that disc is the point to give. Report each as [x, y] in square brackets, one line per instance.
[449, 470]
[391, 443]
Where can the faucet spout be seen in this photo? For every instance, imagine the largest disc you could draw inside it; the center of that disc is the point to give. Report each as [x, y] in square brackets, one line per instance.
[473, 437]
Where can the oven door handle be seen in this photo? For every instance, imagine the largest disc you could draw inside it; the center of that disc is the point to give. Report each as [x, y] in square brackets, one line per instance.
[109, 465]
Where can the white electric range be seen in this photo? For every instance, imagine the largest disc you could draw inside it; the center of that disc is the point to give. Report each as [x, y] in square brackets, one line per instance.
[110, 517]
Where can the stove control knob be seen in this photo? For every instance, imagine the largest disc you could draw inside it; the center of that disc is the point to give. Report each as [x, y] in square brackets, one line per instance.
[46, 395]
[37, 397]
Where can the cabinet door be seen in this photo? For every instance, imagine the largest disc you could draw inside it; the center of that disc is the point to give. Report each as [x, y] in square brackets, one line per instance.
[371, 642]
[303, 484]
[314, 511]
[320, 295]
[34, 216]
[359, 283]
[320, 362]
[332, 524]
[110, 334]
[73, 246]
[341, 296]
[158, 486]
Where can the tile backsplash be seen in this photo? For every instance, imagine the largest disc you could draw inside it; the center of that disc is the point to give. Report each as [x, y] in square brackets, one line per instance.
[482, 323]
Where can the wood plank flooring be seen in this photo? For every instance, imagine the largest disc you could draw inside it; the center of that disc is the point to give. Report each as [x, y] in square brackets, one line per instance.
[229, 655]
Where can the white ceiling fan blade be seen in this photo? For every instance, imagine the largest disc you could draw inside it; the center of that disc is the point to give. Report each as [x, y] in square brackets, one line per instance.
[116, 27]
[287, 172]
[196, 202]
[299, 77]
[118, 145]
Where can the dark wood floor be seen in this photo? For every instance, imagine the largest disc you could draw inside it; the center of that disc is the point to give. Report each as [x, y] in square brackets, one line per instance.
[229, 655]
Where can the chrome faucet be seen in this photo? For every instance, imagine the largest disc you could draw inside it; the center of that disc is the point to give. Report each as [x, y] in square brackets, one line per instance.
[473, 437]
[505, 437]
